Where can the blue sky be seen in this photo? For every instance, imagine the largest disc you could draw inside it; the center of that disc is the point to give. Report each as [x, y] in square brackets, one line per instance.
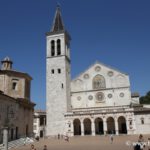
[114, 32]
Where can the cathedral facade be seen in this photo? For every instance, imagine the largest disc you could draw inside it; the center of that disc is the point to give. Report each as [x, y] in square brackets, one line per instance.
[98, 101]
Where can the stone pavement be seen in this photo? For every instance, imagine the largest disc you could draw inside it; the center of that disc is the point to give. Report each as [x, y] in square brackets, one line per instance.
[87, 143]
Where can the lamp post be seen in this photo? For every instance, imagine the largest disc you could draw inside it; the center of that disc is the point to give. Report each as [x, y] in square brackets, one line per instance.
[9, 114]
[44, 127]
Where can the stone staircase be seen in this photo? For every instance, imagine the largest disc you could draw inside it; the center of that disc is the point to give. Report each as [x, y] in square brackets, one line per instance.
[17, 143]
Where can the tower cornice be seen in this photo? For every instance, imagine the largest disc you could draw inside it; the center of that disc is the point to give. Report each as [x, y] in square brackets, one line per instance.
[59, 32]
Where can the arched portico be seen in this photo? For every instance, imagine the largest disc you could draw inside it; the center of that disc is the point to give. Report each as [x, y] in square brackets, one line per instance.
[87, 126]
[110, 125]
[77, 127]
[99, 126]
[122, 125]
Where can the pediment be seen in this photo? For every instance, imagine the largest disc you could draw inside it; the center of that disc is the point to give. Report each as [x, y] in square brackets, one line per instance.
[100, 68]
[84, 80]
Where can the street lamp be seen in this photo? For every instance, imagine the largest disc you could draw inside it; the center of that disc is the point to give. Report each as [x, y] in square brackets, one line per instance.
[9, 114]
[44, 127]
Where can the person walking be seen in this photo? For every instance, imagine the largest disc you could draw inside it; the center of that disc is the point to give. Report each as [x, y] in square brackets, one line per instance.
[111, 138]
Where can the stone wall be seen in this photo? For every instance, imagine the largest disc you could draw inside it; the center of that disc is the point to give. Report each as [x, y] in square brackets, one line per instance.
[20, 117]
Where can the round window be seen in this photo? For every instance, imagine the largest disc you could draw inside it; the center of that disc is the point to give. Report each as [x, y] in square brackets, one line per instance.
[97, 68]
[109, 95]
[79, 98]
[99, 96]
[121, 94]
[90, 97]
[110, 73]
[86, 76]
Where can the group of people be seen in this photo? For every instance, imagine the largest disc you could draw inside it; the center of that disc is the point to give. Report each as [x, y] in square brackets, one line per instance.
[65, 137]
[141, 144]
[33, 147]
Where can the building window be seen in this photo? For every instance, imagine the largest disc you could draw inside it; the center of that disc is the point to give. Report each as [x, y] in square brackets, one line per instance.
[14, 85]
[52, 71]
[62, 85]
[34, 127]
[59, 70]
[130, 122]
[52, 48]
[35, 120]
[99, 82]
[41, 121]
[142, 120]
[58, 47]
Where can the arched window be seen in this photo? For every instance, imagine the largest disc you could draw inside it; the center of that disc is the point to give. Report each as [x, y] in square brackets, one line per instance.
[52, 48]
[58, 47]
[99, 82]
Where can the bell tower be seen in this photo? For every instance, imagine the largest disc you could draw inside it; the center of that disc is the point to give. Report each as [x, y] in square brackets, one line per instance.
[57, 76]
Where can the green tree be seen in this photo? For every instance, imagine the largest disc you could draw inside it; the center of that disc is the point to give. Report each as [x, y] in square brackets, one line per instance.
[145, 99]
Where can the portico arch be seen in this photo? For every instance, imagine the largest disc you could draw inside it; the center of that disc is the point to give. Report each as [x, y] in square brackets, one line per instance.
[99, 126]
[87, 126]
[77, 127]
[110, 125]
[122, 125]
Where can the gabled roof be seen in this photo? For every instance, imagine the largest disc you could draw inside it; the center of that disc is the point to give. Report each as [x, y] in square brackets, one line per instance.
[97, 62]
[57, 22]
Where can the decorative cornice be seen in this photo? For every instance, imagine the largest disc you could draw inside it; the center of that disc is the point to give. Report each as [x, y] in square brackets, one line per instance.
[103, 89]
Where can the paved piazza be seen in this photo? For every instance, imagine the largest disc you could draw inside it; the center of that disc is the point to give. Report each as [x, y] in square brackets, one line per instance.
[86, 143]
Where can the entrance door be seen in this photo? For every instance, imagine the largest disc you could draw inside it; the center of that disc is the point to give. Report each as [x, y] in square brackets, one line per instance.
[16, 132]
[110, 125]
[26, 130]
[12, 134]
[99, 126]
[122, 125]
[87, 126]
[41, 133]
[77, 127]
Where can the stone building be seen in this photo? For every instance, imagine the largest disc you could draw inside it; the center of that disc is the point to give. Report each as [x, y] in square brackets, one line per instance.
[16, 108]
[98, 101]
[39, 123]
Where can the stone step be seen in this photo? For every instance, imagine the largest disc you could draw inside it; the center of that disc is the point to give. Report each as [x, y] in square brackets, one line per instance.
[18, 142]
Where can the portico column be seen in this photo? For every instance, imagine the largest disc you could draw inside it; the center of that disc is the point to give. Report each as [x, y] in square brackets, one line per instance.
[93, 128]
[72, 128]
[105, 126]
[116, 126]
[127, 125]
[5, 138]
[82, 128]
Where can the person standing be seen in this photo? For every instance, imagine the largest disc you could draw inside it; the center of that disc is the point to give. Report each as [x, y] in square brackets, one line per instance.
[45, 147]
[148, 143]
[141, 142]
[58, 136]
[32, 147]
